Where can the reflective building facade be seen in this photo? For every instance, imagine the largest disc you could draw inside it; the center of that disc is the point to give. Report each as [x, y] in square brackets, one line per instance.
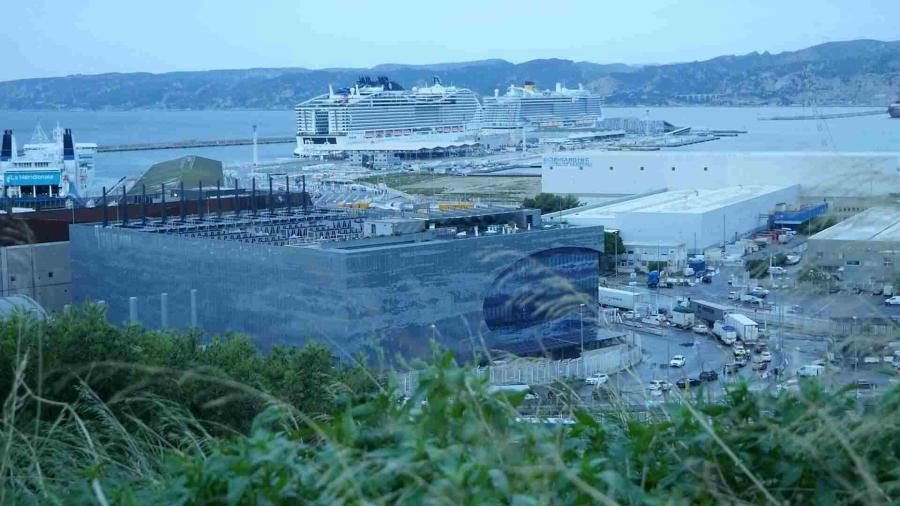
[392, 293]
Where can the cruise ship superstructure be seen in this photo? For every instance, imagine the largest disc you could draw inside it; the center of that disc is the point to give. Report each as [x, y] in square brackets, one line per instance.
[381, 112]
[46, 168]
[527, 107]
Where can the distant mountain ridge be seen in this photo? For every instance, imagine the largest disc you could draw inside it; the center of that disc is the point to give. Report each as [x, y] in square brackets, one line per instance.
[859, 72]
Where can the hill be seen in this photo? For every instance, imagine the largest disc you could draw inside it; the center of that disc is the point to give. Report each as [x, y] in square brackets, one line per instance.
[860, 72]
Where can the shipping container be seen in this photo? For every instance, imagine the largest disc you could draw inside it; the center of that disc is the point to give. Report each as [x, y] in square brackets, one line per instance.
[709, 311]
[746, 328]
[618, 298]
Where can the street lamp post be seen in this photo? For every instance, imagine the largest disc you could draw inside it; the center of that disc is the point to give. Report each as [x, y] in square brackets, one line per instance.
[581, 317]
[433, 327]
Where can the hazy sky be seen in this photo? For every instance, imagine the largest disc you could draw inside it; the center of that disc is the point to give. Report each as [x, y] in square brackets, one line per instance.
[58, 37]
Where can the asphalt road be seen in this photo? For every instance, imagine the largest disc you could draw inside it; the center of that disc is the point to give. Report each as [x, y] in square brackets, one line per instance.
[791, 349]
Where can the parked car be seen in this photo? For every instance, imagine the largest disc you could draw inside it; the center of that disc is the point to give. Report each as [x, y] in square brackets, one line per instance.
[776, 270]
[741, 360]
[597, 379]
[893, 301]
[765, 356]
[700, 328]
[709, 375]
[761, 347]
[759, 291]
[687, 382]
[733, 295]
[750, 299]
[677, 361]
[660, 385]
[731, 368]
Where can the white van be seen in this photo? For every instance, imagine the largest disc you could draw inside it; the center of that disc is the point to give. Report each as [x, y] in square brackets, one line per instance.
[810, 370]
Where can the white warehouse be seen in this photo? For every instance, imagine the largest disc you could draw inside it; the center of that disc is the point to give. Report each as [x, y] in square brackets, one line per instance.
[819, 174]
[697, 219]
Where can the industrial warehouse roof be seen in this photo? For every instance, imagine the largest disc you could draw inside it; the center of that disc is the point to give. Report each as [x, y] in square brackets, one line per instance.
[874, 224]
[681, 201]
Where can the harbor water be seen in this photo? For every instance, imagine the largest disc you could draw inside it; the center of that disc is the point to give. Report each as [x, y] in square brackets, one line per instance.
[854, 134]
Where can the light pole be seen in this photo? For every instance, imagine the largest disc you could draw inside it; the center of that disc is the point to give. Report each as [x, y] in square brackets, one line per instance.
[581, 317]
[433, 327]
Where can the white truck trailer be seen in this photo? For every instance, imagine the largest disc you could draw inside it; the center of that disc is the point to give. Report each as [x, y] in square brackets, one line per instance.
[746, 328]
[619, 298]
[682, 317]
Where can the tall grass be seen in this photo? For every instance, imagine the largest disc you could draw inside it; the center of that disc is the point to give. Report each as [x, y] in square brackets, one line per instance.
[451, 442]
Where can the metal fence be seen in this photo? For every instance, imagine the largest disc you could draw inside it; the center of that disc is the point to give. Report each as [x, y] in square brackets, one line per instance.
[544, 371]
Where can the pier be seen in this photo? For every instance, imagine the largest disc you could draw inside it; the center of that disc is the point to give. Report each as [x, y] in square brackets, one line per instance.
[193, 144]
[838, 115]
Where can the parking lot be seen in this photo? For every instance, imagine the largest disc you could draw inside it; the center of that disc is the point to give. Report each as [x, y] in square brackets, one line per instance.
[791, 349]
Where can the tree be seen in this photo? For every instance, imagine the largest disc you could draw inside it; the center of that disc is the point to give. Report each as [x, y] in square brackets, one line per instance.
[612, 243]
[550, 202]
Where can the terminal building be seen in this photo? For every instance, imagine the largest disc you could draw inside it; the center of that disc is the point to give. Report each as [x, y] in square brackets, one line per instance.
[863, 250]
[667, 226]
[359, 281]
[846, 181]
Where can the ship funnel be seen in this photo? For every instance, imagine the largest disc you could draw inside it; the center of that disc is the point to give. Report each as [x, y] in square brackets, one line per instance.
[330, 92]
[558, 87]
[68, 145]
[436, 81]
[496, 92]
[7, 151]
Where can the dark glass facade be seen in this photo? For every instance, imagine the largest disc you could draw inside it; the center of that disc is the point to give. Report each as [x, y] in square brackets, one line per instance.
[542, 287]
[393, 298]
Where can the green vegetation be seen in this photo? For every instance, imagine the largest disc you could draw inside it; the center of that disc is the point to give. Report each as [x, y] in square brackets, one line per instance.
[759, 267]
[550, 202]
[816, 225]
[85, 421]
[612, 243]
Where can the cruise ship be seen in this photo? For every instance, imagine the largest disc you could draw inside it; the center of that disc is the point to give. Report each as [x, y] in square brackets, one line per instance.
[527, 107]
[373, 112]
[46, 168]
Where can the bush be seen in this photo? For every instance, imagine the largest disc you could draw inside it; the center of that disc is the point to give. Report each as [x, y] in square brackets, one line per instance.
[465, 446]
[226, 381]
[551, 203]
[449, 442]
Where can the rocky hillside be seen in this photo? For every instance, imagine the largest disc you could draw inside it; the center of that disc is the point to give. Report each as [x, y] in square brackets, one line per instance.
[862, 72]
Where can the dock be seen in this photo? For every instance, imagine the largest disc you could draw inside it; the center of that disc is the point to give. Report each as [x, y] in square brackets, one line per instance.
[193, 144]
[838, 115]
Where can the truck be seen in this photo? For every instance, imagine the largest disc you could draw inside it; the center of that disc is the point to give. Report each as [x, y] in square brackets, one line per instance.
[653, 279]
[618, 298]
[746, 328]
[682, 317]
[709, 311]
[726, 333]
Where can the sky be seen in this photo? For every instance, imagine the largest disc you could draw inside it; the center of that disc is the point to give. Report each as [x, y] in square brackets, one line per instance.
[60, 37]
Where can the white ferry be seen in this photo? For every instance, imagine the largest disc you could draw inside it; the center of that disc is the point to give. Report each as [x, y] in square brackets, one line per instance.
[46, 169]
